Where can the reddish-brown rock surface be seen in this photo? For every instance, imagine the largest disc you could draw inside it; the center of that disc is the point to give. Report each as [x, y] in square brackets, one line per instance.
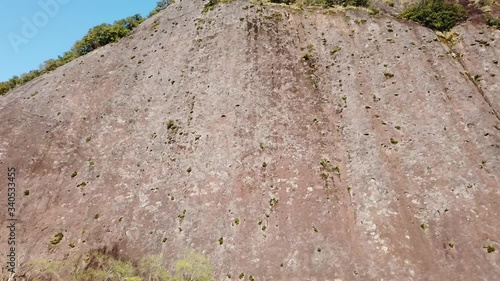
[346, 146]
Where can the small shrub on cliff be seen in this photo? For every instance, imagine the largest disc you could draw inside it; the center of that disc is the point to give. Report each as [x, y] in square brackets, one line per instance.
[325, 3]
[436, 14]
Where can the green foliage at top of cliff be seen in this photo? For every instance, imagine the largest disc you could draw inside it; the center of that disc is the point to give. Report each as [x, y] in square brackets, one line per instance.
[96, 37]
[436, 14]
[160, 5]
[104, 34]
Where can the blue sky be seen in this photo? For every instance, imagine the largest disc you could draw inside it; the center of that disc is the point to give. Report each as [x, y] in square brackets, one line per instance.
[55, 26]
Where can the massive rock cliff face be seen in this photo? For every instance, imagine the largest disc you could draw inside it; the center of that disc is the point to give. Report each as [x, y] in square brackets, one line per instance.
[282, 144]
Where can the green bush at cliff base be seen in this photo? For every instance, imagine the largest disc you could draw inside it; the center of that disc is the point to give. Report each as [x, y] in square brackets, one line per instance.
[436, 14]
[103, 267]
